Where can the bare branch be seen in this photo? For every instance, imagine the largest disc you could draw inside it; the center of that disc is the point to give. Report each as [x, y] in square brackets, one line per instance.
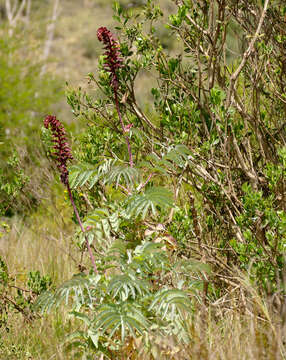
[14, 13]
[50, 35]
[246, 55]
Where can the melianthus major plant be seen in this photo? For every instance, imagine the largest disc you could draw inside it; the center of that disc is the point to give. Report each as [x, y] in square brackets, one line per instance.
[195, 180]
[134, 284]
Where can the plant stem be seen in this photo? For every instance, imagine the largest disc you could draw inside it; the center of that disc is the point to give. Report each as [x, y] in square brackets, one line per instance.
[123, 127]
[82, 229]
[141, 186]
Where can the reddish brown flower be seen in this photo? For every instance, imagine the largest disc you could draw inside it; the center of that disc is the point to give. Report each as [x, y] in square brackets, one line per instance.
[113, 61]
[62, 151]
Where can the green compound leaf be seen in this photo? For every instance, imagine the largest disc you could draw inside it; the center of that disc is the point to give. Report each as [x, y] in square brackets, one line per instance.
[141, 204]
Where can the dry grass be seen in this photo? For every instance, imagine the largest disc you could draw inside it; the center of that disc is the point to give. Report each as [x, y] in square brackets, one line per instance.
[235, 336]
[43, 242]
[227, 333]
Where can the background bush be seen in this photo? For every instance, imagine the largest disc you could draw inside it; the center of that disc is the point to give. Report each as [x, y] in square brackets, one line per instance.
[25, 97]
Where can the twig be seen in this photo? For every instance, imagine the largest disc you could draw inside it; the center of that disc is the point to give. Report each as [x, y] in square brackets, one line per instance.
[246, 55]
[17, 307]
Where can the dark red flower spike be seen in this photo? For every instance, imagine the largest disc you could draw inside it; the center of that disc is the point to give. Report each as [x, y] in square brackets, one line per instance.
[62, 149]
[113, 61]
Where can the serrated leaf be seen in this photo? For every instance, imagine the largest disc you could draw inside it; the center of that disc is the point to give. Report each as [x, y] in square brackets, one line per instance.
[89, 175]
[102, 224]
[82, 317]
[141, 204]
[127, 285]
[122, 174]
[78, 288]
[124, 317]
[80, 175]
[171, 302]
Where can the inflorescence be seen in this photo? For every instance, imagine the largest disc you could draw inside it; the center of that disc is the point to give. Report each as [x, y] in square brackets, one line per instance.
[62, 149]
[113, 61]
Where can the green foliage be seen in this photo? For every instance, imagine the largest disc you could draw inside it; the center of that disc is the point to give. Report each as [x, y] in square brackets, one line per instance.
[127, 301]
[12, 182]
[171, 302]
[15, 299]
[153, 197]
[4, 276]
[204, 201]
[102, 224]
[24, 95]
[108, 171]
[38, 283]
[264, 230]
[78, 287]
[124, 316]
